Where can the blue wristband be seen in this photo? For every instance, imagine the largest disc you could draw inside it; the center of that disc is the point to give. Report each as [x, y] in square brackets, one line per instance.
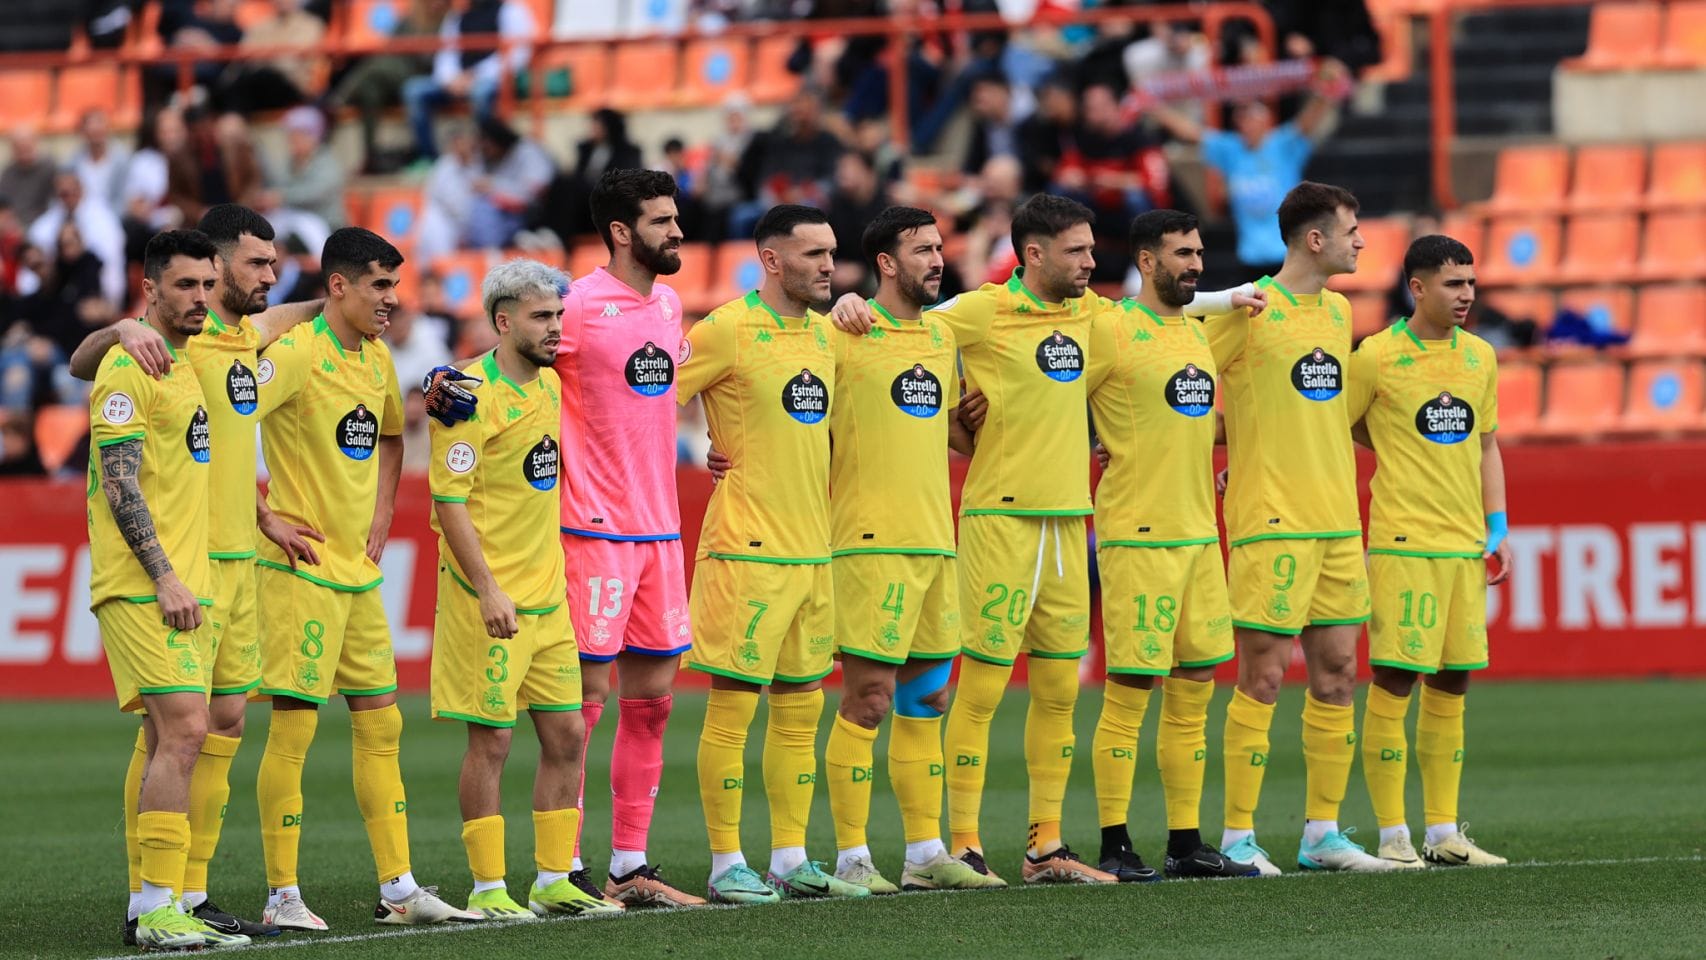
[1497, 527]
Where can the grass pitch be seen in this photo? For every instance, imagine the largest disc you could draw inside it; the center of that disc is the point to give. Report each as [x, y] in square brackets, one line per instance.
[1597, 793]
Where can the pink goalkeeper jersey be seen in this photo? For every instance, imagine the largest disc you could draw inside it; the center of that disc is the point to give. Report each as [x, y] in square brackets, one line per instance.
[617, 362]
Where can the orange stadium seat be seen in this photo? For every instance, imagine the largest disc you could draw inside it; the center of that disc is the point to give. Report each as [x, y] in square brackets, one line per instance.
[1582, 398]
[1670, 321]
[1530, 179]
[1599, 247]
[143, 37]
[1519, 398]
[544, 15]
[461, 274]
[1665, 395]
[1679, 176]
[24, 96]
[371, 22]
[1525, 303]
[736, 270]
[251, 12]
[644, 74]
[393, 212]
[1675, 246]
[1621, 36]
[1386, 239]
[1684, 35]
[693, 281]
[1520, 250]
[1611, 308]
[96, 85]
[1608, 178]
[588, 65]
[771, 81]
[587, 256]
[713, 69]
[58, 428]
[1468, 229]
[1368, 314]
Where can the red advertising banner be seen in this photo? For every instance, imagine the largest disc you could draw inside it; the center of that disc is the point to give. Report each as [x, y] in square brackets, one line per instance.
[1608, 578]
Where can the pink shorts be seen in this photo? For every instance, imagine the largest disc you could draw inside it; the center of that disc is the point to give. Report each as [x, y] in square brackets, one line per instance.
[627, 595]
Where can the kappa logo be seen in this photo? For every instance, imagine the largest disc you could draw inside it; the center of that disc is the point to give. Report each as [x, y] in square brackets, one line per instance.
[611, 310]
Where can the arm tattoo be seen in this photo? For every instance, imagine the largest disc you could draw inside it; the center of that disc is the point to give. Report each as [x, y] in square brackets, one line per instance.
[120, 465]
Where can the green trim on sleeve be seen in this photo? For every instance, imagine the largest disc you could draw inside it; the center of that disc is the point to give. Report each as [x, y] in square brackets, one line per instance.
[440, 498]
[467, 718]
[124, 439]
[241, 555]
[319, 581]
[538, 611]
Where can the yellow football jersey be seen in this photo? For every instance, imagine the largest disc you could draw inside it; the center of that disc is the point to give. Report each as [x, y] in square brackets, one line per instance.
[1027, 356]
[224, 358]
[1282, 374]
[503, 462]
[895, 389]
[768, 381]
[1151, 384]
[169, 416]
[1426, 404]
[323, 410]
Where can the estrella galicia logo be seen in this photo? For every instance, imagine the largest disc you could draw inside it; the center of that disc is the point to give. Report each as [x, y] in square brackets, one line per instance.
[1060, 357]
[806, 398]
[540, 467]
[1446, 419]
[358, 433]
[650, 370]
[241, 387]
[1318, 375]
[1190, 391]
[917, 392]
[197, 437]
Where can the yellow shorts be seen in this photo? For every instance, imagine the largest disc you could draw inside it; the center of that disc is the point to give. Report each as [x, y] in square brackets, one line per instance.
[1024, 587]
[480, 679]
[317, 641]
[893, 606]
[236, 638]
[760, 622]
[1430, 613]
[146, 656]
[1282, 586]
[1164, 607]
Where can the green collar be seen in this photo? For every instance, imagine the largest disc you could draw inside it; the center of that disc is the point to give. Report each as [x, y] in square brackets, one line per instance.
[1016, 284]
[1131, 304]
[168, 343]
[213, 317]
[324, 328]
[495, 375]
[754, 300]
[1403, 326]
[1273, 284]
[877, 308]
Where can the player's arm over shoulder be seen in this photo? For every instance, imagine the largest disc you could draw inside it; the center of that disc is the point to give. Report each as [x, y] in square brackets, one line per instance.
[119, 400]
[1227, 334]
[969, 315]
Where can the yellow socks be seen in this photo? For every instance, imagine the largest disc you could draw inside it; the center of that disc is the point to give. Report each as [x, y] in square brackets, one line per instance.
[1181, 748]
[210, 789]
[790, 764]
[1113, 756]
[278, 791]
[1048, 735]
[722, 765]
[377, 735]
[850, 766]
[132, 801]
[1384, 749]
[1246, 748]
[165, 841]
[554, 833]
[915, 772]
[484, 840]
[1439, 752]
[966, 744]
[1329, 748]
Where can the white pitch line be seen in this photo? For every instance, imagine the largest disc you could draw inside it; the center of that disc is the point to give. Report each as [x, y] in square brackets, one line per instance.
[455, 928]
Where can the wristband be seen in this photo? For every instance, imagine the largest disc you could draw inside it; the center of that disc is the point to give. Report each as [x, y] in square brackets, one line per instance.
[1497, 528]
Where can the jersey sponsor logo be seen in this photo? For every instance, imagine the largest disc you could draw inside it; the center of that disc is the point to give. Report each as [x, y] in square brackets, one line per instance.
[806, 398]
[540, 466]
[649, 370]
[264, 371]
[358, 433]
[1190, 391]
[197, 437]
[118, 408]
[917, 392]
[240, 386]
[460, 458]
[1318, 375]
[1446, 419]
[1060, 357]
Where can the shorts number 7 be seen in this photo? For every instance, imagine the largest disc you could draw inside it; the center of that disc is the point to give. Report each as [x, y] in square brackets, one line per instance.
[752, 625]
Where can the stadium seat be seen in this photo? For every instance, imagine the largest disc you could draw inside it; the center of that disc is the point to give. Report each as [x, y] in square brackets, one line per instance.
[736, 270]
[771, 81]
[1670, 321]
[644, 74]
[1600, 247]
[1468, 229]
[24, 97]
[1607, 178]
[712, 70]
[143, 37]
[1582, 399]
[1368, 314]
[371, 22]
[1684, 34]
[58, 429]
[1519, 398]
[544, 14]
[1520, 250]
[588, 66]
[1665, 395]
[1530, 179]
[1621, 36]
[96, 85]
[587, 256]
[393, 213]
[1679, 176]
[1525, 303]
[1610, 308]
[1386, 239]
[251, 12]
[1675, 246]
[461, 275]
[693, 281]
